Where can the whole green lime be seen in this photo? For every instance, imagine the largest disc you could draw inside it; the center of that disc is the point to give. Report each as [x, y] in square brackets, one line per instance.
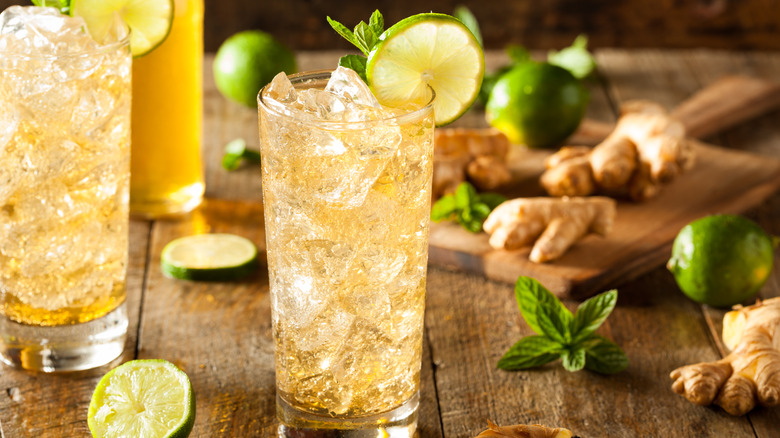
[247, 61]
[721, 260]
[537, 104]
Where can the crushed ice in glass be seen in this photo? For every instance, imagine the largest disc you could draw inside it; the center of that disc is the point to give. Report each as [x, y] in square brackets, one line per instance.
[64, 158]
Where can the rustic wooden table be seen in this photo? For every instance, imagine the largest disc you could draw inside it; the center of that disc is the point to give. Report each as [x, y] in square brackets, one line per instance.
[220, 334]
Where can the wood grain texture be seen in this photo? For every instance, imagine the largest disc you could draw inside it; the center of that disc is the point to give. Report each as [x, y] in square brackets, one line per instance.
[473, 321]
[46, 405]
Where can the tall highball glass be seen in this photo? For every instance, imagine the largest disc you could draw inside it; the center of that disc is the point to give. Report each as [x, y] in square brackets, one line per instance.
[64, 181]
[347, 193]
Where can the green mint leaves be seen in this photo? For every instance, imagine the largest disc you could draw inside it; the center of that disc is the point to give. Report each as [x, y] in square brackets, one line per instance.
[355, 62]
[365, 37]
[235, 152]
[561, 334]
[62, 5]
[575, 58]
[466, 206]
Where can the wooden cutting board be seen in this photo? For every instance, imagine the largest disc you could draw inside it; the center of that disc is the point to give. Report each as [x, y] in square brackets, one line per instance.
[722, 181]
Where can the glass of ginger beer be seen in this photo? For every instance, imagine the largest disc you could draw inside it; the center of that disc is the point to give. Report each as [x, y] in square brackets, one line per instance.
[347, 192]
[65, 171]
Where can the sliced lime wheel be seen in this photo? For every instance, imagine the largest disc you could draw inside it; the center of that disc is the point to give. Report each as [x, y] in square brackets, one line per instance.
[209, 257]
[149, 398]
[149, 21]
[424, 50]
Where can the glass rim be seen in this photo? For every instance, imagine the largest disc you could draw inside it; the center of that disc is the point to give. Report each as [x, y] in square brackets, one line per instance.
[106, 48]
[407, 117]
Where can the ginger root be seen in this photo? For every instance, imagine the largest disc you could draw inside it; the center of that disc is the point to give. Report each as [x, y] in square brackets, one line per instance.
[646, 149]
[750, 374]
[476, 155]
[555, 224]
[524, 431]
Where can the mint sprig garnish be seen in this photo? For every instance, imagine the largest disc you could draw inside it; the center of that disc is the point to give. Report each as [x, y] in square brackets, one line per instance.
[561, 334]
[466, 206]
[62, 5]
[365, 37]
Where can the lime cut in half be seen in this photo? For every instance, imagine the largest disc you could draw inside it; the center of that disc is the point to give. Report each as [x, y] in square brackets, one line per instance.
[149, 398]
[149, 21]
[209, 257]
[424, 50]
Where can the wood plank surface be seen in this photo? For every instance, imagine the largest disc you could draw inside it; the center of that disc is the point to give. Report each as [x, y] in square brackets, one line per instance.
[219, 333]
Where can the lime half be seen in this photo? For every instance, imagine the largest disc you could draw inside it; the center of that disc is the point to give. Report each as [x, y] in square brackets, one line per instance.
[209, 257]
[427, 49]
[142, 399]
[149, 20]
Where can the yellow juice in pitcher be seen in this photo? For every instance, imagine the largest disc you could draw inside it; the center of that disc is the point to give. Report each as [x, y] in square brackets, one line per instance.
[166, 168]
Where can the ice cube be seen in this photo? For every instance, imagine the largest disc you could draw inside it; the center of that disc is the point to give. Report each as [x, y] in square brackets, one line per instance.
[281, 89]
[322, 104]
[380, 263]
[9, 121]
[326, 332]
[347, 84]
[313, 268]
[44, 31]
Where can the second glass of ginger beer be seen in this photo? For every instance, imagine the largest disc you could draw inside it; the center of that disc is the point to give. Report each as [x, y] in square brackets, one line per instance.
[166, 168]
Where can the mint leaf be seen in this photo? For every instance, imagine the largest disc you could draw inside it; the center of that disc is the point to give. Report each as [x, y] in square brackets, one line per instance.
[553, 322]
[444, 208]
[466, 206]
[343, 31]
[604, 356]
[480, 211]
[530, 294]
[377, 23]
[529, 352]
[492, 200]
[355, 62]
[365, 37]
[591, 314]
[575, 58]
[235, 152]
[465, 193]
[573, 360]
[468, 19]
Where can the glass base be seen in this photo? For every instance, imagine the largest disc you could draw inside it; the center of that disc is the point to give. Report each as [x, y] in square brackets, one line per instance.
[401, 422]
[65, 347]
[181, 202]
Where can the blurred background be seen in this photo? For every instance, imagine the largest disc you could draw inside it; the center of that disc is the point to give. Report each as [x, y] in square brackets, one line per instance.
[726, 24]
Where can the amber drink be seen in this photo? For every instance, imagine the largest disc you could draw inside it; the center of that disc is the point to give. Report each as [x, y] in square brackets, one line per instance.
[64, 172]
[346, 188]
